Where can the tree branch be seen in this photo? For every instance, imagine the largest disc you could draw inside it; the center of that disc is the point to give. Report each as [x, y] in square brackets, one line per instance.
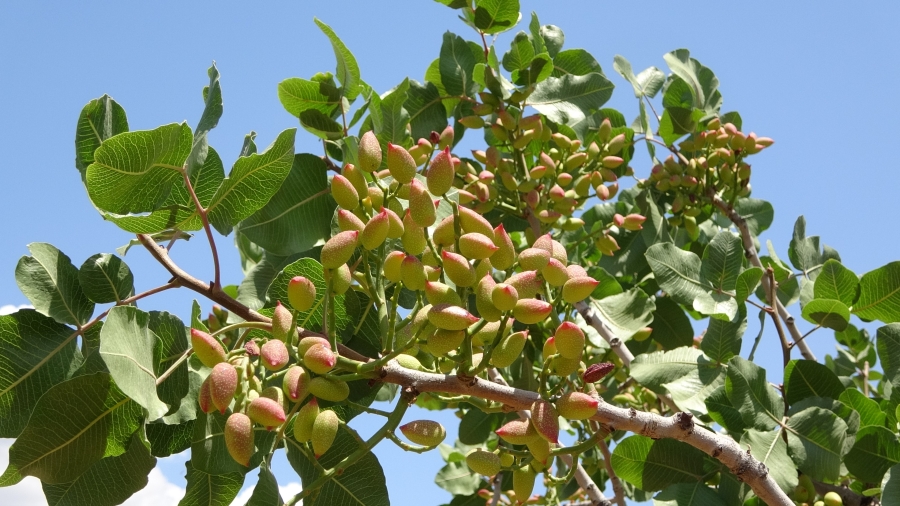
[592, 319]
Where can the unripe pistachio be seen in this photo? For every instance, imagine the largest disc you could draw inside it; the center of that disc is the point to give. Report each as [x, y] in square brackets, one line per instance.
[473, 122]
[578, 289]
[357, 178]
[523, 483]
[323, 432]
[445, 316]
[319, 359]
[446, 137]
[612, 189]
[504, 296]
[424, 432]
[643, 334]
[329, 390]
[458, 269]
[607, 245]
[577, 406]
[499, 132]
[540, 450]
[545, 420]
[252, 348]
[266, 412]
[533, 259]
[562, 366]
[238, 436]
[505, 256]
[509, 349]
[308, 342]
[306, 417]
[369, 153]
[344, 192]
[412, 273]
[444, 234]
[832, 498]
[274, 355]
[395, 231]
[596, 372]
[444, 341]
[476, 246]
[281, 322]
[576, 271]
[633, 222]
[616, 144]
[472, 222]
[207, 349]
[569, 340]
[340, 279]
[349, 221]
[517, 432]
[409, 362]
[223, 382]
[393, 263]
[413, 237]
[421, 206]
[376, 231]
[204, 399]
[432, 273]
[549, 348]
[530, 311]
[483, 462]
[527, 283]
[483, 268]
[483, 301]
[295, 383]
[337, 251]
[400, 163]
[575, 160]
[440, 173]
[439, 293]
[555, 272]
[507, 459]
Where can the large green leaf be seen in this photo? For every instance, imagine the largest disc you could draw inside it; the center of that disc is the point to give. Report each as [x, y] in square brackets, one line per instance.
[106, 278]
[99, 421]
[520, 53]
[210, 490]
[36, 353]
[671, 326]
[252, 182]
[570, 98]
[828, 313]
[390, 118]
[836, 282]
[457, 65]
[458, 479]
[50, 282]
[747, 389]
[313, 271]
[721, 410]
[166, 440]
[747, 282]
[172, 342]
[758, 214]
[252, 291]
[625, 313]
[722, 261]
[265, 493]
[647, 83]
[654, 465]
[208, 451]
[723, 338]
[347, 69]
[770, 448]
[425, 108]
[701, 79]
[212, 111]
[890, 486]
[805, 378]
[133, 172]
[688, 375]
[888, 345]
[816, 438]
[299, 214]
[869, 411]
[876, 450]
[804, 252]
[879, 294]
[688, 494]
[576, 62]
[108, 482]
[361, 484]
[476, 425]
[126, 345]
[300, 95]
[495, 16]
[677, 272]
[99, 120]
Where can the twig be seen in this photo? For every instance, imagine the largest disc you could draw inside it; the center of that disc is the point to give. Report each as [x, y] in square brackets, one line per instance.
[865, 378]
[202, 212]
[618, 490]
[592, 319]
[496, 484]
[773, 295]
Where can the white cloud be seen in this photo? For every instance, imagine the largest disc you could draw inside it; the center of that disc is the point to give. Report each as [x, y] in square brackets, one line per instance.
[159, 491]
[28, 491]
[9, 308]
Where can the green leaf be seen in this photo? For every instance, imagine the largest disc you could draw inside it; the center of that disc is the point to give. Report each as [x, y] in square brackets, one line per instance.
[701, 79]
[106, 278]
[758, 214]
[608, 284]
[876, 450]
[361, 484]
[688, 494]
[805, 378]
[313, 271]
[677, 272]
[426, 110]
[845, 413]
[252, 291]
[389, 118]
[760, 405]
[718, 305]
[36, 353]
[321, 125]
[888, 345]
[654, 465]
[298, 216]
[627, 312]
[99, 422]
[747, 282]
[476, 426]
[869, 411]
[99, 120]
[166, 440]
[537, 40]
[769, 448]
[836, 282]
[457, 64]
[176, 390]
[576, 62]
[133, 172]
[832, 314]
[722, 261]
[816, 438]
[266, 491]
[126, 345]
[496, 16]
[252, 182]
[804, 251]
[520, 54]
[671, 326]
[570, 98]
[208, 451]
[723, 338]
[212, 111]
[553, 39]
[347, 69]
[300, 95]
[890, 486]
[688, 375]
[647, 83]
[50, 282]
[108, 482]
[722, 412]
[210, 490]
[458, 479]
[879, 294]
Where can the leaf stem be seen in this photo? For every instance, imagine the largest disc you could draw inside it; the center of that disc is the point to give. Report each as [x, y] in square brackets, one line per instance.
[202, 212]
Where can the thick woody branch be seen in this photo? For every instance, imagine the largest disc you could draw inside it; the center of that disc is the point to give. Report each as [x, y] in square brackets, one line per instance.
[593, 319]
[753, 257]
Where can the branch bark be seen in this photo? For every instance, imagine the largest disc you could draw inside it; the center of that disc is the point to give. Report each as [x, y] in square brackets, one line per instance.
[617, 345]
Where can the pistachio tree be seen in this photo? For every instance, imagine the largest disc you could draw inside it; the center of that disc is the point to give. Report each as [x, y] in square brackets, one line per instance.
[544, 287]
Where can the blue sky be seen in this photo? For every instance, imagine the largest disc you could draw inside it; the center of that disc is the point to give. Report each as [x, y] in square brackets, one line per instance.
[817, 80]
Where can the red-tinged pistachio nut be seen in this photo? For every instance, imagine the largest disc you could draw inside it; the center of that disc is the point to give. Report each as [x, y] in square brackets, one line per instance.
[555, 272]
[523, 483]
[562, 366]
[561, 141]
[238, 436]
[458, 269]
[538, 172]
[295, 383]
[329, 390]
[338, 250]
[357, 178]
[483, 462]
[432, 273]
[576, 271]
[530, 311]
[576, 406]
[476, 246]
[324, 431]
[576, 160]
[466, 197]
[446, 137]
[207, 349]
[578, 289]
[440, 173]
[266, 412]
[488, 332]
[545, 420]
[616, 144]
[540, 449]
[412, 273]
[393, 266]
[424, 432]
[472, 222]
[483, 301]
[349, 221]
[504, 296]
[607, 245]
[400, 163]
[319, 359]
[281, 322]
[549, 347]
[274, 355]
[306, 417]
[483, 268]
[439, 293]
[548, 216]
[596, 372]
[376, 197]
[204, 398]
[447, 317]
[307, 342]
[509, 349]
[375, 231]
[618, 220]
[444, 234]
[369, 153]
[643, 334]
[444, 341]
[344, 192]
[395, 231]
[569, 340]
[604, 130]
[413, 237]
[340, 279]
[252, 348]
[527, 283]
[611, 162]
[633, 222]
[473, 122]
[544, 242]
[421, 206]
[505, 256]
[223, 382]
[603, 192]
[613, 189]
[533, 259]
[517, 432]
